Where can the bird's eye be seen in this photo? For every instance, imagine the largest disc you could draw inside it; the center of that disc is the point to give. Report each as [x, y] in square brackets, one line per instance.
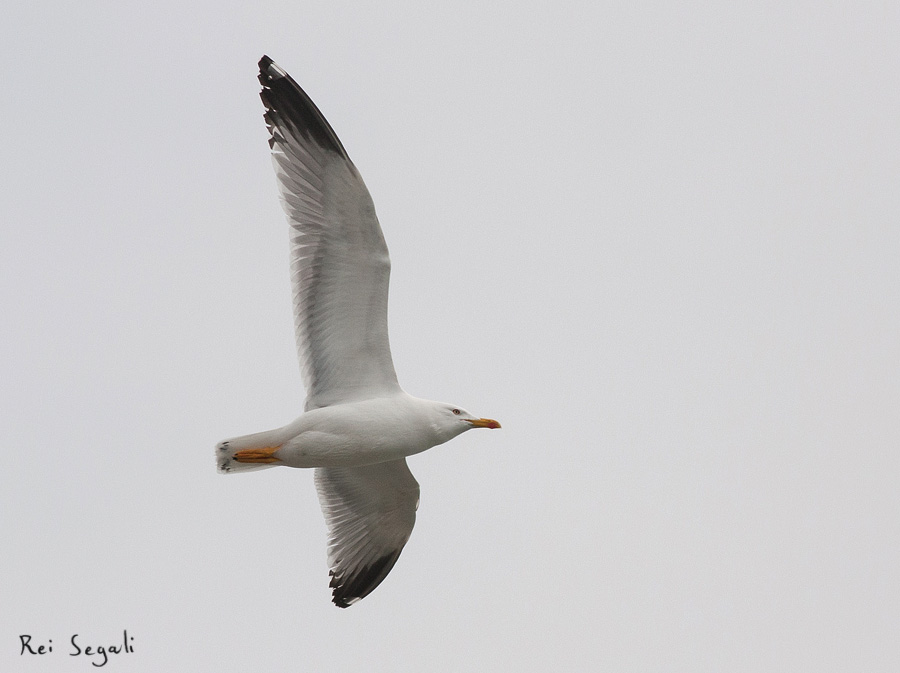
[457, 412]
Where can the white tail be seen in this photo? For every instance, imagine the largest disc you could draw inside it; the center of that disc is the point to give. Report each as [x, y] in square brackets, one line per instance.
[226, 449]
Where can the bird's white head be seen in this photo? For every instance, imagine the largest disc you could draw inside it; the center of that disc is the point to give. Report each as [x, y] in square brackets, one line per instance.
[451, 420]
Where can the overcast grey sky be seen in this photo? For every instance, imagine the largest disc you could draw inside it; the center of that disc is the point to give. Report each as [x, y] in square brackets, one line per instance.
[658, 242]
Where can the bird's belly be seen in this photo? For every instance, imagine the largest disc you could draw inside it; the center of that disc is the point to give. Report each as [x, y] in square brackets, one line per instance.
[315, 448]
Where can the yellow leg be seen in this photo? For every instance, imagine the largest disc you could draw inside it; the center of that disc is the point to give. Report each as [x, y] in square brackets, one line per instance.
[264, 455]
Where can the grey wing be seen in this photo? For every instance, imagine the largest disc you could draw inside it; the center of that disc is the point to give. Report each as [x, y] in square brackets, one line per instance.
[370, 512]
[340, 268]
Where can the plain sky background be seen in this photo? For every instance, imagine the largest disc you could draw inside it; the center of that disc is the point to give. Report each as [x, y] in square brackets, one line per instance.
[659, 242]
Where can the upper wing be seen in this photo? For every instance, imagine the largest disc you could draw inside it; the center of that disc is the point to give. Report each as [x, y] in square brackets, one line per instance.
[370, 512]
[339, 261]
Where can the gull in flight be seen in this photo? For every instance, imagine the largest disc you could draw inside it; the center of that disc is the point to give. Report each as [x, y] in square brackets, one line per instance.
[358, 425]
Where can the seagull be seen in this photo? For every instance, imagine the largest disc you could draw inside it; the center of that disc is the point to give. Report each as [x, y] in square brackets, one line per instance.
[358, 425]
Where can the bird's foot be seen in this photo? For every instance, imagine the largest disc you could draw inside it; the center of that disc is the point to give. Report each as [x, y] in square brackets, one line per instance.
[264, 455]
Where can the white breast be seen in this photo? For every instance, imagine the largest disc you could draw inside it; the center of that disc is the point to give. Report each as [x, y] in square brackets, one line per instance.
[361, 433]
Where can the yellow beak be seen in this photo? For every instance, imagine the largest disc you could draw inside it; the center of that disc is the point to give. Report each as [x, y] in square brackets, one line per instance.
[484, 423]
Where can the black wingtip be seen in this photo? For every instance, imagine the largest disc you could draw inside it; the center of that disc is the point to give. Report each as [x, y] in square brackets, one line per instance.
[289, 109]
[353, 589]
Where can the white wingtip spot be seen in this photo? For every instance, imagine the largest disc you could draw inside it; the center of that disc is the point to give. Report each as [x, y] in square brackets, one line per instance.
[275, 72]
